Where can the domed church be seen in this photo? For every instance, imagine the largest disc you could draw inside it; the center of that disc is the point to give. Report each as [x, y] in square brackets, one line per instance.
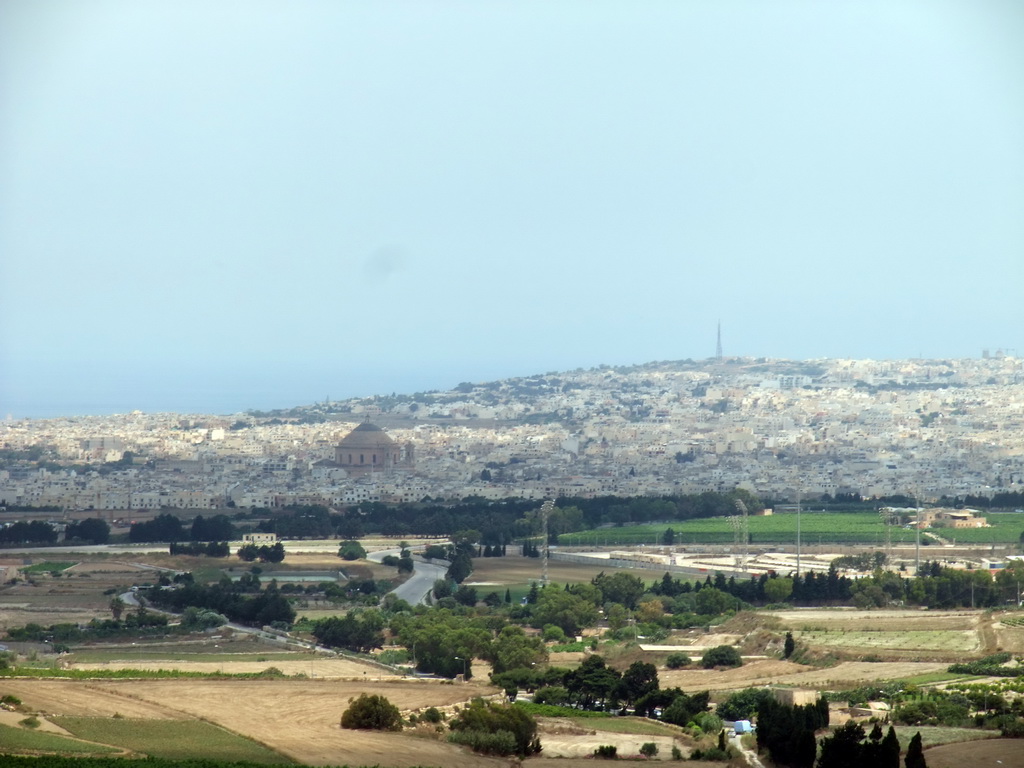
[367, 448]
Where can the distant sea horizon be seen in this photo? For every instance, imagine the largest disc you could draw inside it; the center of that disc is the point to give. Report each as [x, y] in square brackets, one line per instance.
[224, 391]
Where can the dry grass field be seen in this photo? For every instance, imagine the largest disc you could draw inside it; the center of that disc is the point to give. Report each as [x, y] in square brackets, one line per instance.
[523, 570]
[1008, 753]
[302, 664]
[299, 719]
[74, 596]
[767, 671]
[911, 635]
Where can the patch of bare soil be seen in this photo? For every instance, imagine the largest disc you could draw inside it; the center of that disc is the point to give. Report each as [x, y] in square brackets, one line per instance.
[850, 672]
[754, 673]
[1008, 753]
[584, 744]
[13, 719]
[1005, 637]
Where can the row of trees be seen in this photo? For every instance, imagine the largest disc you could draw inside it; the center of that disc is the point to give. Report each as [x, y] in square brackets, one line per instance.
[244, 601]
[167, 528]
[786, 733]
[201, 549]
[265, 553]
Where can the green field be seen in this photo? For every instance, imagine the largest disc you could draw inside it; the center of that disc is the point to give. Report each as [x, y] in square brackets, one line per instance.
[24, 740]
[48, 567]
[815, 528]
[170, 739]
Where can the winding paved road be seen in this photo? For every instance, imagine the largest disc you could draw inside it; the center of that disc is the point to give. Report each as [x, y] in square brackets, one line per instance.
[425, 573]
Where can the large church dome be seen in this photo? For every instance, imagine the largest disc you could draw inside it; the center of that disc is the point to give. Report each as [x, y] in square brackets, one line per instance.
[368, 448]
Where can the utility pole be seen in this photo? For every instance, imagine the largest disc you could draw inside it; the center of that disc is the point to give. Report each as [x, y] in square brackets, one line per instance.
[799, 497]
[917, 538]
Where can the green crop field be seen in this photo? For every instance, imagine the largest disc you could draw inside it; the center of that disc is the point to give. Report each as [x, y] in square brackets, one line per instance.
[48, 567]
[815, 528]
[170, 739]
[24, 740]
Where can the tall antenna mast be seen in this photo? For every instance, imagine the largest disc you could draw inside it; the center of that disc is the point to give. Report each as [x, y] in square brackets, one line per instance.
[718, 348]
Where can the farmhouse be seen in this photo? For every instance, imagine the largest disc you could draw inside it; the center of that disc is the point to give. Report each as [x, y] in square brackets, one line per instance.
[259, 538]
[958, 518]
[795, 697]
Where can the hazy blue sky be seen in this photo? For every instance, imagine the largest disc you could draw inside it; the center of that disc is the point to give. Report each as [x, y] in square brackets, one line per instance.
[226, 205]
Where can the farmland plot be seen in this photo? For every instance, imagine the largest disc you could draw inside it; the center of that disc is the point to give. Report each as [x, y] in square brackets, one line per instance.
[297, 718]
[907, 641]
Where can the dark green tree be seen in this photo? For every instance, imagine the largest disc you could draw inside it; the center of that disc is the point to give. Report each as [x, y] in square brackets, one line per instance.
[915, 753]
[889, 757]
[844, 748]
[351, 550]
[721, 656]
[372, 713]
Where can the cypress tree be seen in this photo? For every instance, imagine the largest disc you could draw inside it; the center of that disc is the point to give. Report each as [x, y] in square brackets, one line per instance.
[789, 647]
[890, 755]
[915, 753]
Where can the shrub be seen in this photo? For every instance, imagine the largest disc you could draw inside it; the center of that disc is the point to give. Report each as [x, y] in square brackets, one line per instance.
[480, 725]
[372, 713]
[721, 656]
[486, 743]
[30, 722]
[677, 753]
[678, 660]
[648, 749]
[553, 634]
[432, 715]
[710, 754]
[607, 752]
[351, 550]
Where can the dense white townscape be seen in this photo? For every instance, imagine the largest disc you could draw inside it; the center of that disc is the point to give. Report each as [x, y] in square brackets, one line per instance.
[930, 427]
